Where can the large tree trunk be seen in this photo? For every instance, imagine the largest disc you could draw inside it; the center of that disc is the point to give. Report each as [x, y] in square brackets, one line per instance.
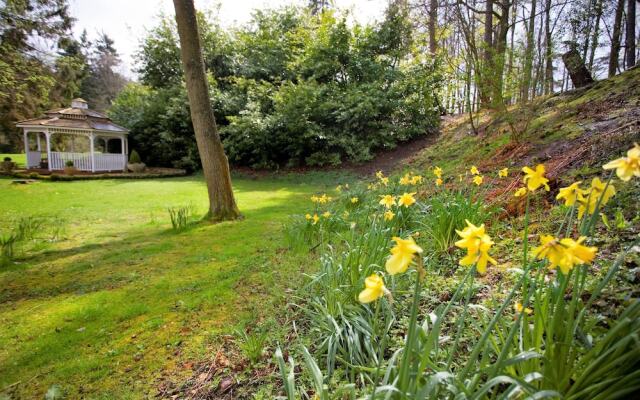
[631, 34]
[500, 45]
[580, 75]
[222, 204]
[614, 55]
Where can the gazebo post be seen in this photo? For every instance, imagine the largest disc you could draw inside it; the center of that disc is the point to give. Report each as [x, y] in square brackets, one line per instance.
[48, 138]
[38, 138]
[26, 145]
[93, 158]
[124, 154]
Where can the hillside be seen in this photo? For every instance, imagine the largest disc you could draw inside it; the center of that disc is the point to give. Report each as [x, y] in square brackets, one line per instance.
[567, 132]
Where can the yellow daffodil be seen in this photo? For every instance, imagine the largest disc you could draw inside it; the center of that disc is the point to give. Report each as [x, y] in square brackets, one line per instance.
[384, 181]
[460, 177]
[315, 219]
[477, 243]
[406, 199]
[345, 214]
[551, 249]
[405, 180]
[315, 198]
[354, 200]
[307, 217]
[571, 194]
[437, 171]
[520, 192]
[535, 178]
[478, 179]
[346, 186]
[564, 254]
[416, 180]
[371, 186]
[503, 173]
[373, 289]
[628, 166]
[388, 215]
[590, 199]
[326, 214]
[438, 181]
[339, 188]
[474, 170]
[519, 309]
[402, 255]
[379, 175]
[387, 200]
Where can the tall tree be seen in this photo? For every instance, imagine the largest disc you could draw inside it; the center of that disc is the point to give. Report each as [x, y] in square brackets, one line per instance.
[529, 51]
[548, 53]
[630, 59]
[614, 55]
[103, 82]
[222, 204]
[433, 25]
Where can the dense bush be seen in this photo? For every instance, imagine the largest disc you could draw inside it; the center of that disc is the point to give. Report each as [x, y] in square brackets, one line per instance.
[289, 89]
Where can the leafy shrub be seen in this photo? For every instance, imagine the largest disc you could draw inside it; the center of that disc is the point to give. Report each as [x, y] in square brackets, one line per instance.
[68, 163]
[134, 157]
[322, 93]
[26, 229]
[7, 159]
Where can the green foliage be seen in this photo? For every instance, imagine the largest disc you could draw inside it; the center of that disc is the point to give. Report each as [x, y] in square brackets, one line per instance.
[180, 217]
[134, 157]
[68, 163]
[447, 212]
[289, 89]
[252, 344]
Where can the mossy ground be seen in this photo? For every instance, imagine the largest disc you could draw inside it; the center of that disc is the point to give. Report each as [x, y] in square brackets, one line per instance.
[120, 300]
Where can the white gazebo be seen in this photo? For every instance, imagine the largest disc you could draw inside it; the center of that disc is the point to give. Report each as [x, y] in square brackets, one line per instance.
[96, 131]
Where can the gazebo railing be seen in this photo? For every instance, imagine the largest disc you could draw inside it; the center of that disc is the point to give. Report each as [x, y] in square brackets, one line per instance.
[81, 161]
[109, 162]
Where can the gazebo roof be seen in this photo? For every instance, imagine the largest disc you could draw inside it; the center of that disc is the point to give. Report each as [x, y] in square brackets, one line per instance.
[78, 116]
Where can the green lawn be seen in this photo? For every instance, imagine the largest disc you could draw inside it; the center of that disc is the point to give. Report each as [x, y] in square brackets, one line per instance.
[121, 298]
[20, 159]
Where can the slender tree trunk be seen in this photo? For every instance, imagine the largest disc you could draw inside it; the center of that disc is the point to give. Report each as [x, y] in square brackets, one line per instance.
[528, 57]
[631, 34]
[500, 45]
[614, 55]
[548, 48]
[596, 33]
[222, 204]
[433, 25]
[580, 75]
[487, 65]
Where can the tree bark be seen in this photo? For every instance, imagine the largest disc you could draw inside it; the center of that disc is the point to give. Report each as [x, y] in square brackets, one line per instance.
[488, 68]
[433, 25]
[630, 41]
[528, 57]
[596, 33]
[222, 204]
[548, 55]
[580, 75]
[614, 55]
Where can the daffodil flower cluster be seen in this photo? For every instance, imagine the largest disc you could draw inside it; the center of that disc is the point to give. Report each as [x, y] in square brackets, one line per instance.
[477, 243]
[402, 255]
[564, 254]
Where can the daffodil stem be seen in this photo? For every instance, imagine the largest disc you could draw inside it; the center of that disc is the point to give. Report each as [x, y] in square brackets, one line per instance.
[525, 236]
[408, 348]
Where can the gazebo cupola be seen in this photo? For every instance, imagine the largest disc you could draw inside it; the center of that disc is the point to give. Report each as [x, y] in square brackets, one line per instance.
[78, 134]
